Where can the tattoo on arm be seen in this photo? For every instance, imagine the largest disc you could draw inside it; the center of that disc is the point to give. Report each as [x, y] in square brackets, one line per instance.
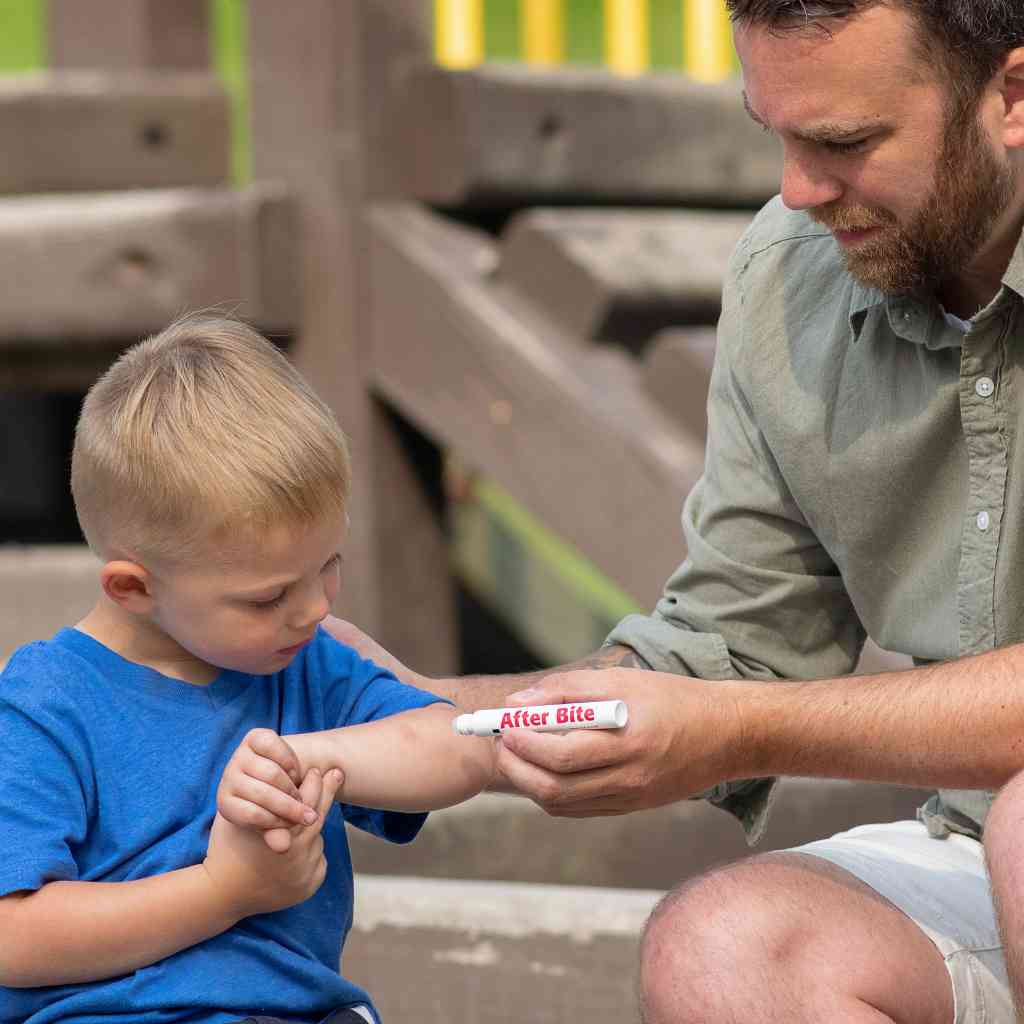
[617, 656]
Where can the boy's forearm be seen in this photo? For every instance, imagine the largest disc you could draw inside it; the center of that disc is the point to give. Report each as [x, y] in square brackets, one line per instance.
[412, 761]
[68, 932]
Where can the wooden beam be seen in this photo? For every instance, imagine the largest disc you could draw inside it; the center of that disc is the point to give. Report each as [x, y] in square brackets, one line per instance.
[677, 372]
[621, 275]
[502, 135]
[129, 34]
[569, 432]
[319, 85]
[81, 272]
[74, 130]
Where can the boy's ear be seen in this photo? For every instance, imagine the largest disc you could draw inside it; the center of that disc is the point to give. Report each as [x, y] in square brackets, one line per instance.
[1013, 99]
[128, 585]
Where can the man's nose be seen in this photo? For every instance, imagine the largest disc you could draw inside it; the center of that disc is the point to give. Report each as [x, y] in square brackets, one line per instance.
[806, 184]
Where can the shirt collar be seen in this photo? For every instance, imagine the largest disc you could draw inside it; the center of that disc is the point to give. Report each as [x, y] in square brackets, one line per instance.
[1014, 276]
[862, 301]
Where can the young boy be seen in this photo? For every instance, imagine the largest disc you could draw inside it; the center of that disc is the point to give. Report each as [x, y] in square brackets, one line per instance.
[213, 485]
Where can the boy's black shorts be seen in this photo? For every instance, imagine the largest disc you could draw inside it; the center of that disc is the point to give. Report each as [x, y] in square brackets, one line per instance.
[338, 1017]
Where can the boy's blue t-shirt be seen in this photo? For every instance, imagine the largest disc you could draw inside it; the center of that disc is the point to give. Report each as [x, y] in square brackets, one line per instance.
[109, 772]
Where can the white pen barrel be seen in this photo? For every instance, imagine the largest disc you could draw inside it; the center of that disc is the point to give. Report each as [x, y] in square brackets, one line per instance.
[597, 714]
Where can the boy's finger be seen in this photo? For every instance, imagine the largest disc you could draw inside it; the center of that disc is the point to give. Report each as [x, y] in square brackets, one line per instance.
[270, 798]
[267, 743]
[332, 783]
[278, 839]
[270, 772]
[311, 788]
[246, 814]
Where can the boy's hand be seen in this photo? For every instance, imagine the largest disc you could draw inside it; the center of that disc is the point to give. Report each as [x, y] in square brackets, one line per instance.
[260, 788]
[250, 878]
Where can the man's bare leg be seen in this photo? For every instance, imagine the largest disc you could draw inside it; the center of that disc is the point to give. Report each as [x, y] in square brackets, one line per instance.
[1004, 857]
[788, 937]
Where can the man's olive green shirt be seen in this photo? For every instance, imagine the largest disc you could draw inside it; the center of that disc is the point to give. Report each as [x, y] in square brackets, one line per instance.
[863, 477]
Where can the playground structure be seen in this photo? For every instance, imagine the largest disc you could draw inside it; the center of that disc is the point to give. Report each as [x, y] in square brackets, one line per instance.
[504, 280]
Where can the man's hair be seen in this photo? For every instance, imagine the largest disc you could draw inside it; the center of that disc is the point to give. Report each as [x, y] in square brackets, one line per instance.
[967, 39]
[203, 434]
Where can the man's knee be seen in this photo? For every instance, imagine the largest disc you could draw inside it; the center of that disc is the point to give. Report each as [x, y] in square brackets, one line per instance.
[710, 944]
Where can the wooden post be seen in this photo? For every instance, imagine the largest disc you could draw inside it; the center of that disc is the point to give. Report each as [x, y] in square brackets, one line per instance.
[318, 81]
[129, 35]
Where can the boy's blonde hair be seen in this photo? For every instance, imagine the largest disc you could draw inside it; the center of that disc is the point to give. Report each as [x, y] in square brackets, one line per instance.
[197, 435]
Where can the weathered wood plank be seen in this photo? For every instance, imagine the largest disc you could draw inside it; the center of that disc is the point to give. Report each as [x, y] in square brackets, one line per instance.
[77, 272]
[73, 130]
[128, 34]
[569, 432]
[621, 275]
[677, 371]
[504, 135]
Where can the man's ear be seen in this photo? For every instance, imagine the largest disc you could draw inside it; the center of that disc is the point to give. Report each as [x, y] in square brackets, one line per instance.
[128, 585]
[1013, 99]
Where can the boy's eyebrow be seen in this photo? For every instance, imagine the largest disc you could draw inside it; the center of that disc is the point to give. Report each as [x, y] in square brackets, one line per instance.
[829, 131]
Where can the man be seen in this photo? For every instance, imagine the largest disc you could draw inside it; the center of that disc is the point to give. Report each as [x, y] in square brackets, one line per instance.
[863, 473]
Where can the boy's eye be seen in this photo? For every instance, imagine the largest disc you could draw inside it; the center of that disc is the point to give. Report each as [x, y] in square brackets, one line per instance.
[273, 602]
[332, 563]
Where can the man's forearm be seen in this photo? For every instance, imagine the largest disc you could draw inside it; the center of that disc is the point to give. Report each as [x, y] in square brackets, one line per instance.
[956, 725]
[472, 693]
[69, 932]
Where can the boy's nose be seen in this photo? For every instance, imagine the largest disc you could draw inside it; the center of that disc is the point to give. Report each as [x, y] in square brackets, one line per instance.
[315, 610]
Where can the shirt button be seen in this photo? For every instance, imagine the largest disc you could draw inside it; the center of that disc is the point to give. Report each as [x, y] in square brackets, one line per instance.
[983, 521]
[985, 386]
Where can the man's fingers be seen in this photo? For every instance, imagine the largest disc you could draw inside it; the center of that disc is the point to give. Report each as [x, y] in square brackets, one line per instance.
[559, 793]
[568, 752]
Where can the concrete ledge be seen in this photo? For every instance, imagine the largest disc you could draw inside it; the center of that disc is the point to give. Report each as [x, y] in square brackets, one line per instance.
[488, 952]
[43, 588]
[496, 836]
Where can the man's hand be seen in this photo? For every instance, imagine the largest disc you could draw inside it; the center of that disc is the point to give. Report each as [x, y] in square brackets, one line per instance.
[250, 878]
[260, 788]
[366, 647]
[682, 737]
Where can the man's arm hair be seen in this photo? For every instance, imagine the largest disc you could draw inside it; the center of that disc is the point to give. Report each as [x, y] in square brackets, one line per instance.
[472, 693]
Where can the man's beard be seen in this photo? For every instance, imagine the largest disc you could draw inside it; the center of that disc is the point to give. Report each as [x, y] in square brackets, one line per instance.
[971, 192]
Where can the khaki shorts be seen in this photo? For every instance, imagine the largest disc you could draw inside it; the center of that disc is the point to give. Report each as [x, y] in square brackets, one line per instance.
[941, 885]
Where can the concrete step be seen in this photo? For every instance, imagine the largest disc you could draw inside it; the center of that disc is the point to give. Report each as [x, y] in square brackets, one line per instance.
[42, 588]
[488, 952]
[496, 836]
